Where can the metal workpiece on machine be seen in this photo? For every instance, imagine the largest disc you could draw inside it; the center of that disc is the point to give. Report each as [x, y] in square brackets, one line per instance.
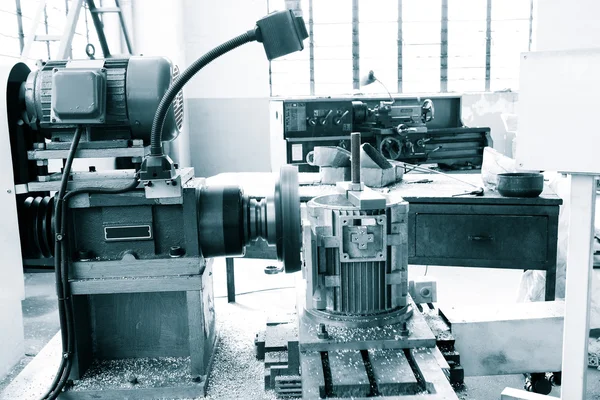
[356, 261]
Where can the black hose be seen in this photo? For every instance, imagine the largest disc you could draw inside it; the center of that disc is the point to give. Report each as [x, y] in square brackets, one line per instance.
[61, 267]
[66, 362]
[64, 306]
[182, 79]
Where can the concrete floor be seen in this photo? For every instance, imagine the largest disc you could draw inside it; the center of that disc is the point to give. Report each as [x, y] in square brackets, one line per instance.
[236, 373]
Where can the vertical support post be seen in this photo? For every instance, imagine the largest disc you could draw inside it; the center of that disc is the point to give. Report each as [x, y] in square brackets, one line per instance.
[444, 48]
[578, 287]
[355, 156]
[34, 25]
[400, 41]
[20, 25]
[46, 29]
[488, 46]
[230, 280]
[99, 28]
[311, 47]
[197, 337]
[355, 47]
[530, 25]
[124, 28]
[64, 49]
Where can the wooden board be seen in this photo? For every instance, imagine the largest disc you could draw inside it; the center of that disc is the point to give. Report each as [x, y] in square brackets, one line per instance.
[132, 325]
[393, 372]
[180, 392]
[431, 373]
[136, 268]
[277, 336]
[312, 375]
[348, 375]
[440, 190]
[508, 339]
[396, 379]
[136, 285]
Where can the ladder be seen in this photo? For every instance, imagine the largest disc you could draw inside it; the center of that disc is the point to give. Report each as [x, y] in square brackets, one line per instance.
[66, 38]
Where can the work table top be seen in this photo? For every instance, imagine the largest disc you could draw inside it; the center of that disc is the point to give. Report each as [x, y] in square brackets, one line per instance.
[437, 189]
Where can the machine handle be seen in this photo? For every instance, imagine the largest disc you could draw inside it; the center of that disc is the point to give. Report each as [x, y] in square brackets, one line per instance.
[480, 238]
[310, 158]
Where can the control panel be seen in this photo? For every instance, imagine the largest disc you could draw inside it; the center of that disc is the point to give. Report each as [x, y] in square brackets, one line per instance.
[317, 119]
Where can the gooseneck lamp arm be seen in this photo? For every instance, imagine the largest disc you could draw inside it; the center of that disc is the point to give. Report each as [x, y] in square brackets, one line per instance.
[280, 33]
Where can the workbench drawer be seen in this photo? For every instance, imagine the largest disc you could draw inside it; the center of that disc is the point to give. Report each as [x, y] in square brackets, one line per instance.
[522, 238]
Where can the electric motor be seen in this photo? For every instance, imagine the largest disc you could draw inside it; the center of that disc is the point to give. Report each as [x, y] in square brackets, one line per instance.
[116, 98]
[356, 266]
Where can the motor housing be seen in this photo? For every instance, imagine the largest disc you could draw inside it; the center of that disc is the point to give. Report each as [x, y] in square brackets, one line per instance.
[116, 98]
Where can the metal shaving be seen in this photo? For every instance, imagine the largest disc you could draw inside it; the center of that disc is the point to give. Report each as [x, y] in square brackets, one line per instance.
[236, 373]
[146, 372]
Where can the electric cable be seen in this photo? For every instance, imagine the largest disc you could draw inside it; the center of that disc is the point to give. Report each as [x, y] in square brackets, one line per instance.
[61, 265]
[64, 311]
[183, 78]
[258, 291]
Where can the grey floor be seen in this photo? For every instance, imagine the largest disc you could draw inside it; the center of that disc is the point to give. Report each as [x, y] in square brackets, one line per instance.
[236, 373]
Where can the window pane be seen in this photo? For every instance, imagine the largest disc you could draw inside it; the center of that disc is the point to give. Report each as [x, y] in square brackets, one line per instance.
[510, 37]
[421, 26]
[466, 45]
[378, 35]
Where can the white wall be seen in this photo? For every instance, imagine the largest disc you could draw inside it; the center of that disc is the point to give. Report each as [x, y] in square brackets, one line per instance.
[486, 109]
[244, 72]
[157, 28]
[566, 24]
[227, 102]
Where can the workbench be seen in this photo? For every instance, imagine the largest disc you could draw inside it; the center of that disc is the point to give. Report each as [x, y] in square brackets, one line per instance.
[489, 231]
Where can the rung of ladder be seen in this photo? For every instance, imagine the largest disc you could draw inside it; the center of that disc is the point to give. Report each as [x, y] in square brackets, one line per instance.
[99, 10]
[47, 38]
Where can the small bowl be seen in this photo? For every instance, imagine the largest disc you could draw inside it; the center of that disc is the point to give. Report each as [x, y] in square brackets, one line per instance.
[520, 184]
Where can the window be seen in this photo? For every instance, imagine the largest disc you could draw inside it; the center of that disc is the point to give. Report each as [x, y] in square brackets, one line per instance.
[16, 19]
[413, 46]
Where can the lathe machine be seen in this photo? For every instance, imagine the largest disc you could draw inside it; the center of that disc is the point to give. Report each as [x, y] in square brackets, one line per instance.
[132, 248]
[403, 128]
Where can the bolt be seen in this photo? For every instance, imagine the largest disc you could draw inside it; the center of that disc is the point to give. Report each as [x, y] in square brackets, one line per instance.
[197, 378]
[176, 252]
[8, 191]
[322, 332]
[54, 69]
[133, 380]
[85, 255]
[148, 184]
[404, 331]
[53, 120]
[173, 182]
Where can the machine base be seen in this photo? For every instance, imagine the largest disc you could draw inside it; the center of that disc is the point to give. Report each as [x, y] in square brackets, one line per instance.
[360, 362]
